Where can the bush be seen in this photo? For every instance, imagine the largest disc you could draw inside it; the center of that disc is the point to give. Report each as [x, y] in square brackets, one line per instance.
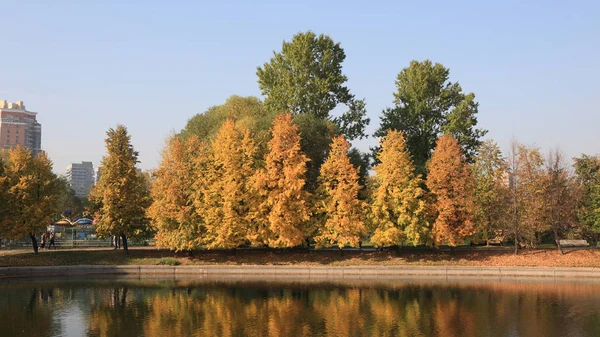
[169, 262]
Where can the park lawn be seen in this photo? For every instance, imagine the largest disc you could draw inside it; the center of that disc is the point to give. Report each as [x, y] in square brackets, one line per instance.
[153, 256]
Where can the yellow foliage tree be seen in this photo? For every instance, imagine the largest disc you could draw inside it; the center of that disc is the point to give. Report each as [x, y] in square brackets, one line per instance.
[281, 212]
[452, 185]
[224, 204]
[398, 206]
[343, 212]
[120, 199]
[31, 194]
[173, 213]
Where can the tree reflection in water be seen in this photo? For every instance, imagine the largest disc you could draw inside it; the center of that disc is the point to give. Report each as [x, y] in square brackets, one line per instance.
[352, 308]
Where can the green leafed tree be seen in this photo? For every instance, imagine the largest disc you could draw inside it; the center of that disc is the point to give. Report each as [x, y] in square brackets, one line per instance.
[398, 201]
[492, 195]
[306, 77]
[587, 169]
[427, 104]
[120, 199]
[245, 112]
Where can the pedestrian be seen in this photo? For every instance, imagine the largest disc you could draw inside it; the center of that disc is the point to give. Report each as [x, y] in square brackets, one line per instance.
[52, 236]
[43, 240]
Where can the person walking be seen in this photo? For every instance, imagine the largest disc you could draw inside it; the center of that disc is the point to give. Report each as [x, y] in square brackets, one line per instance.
[43, 240]
[52, 236]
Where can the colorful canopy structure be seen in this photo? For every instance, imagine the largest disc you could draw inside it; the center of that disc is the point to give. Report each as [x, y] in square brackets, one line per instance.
[78, 222]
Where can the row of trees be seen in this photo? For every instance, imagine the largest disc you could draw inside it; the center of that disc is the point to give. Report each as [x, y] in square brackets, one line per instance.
[244, 173]
[223, 194]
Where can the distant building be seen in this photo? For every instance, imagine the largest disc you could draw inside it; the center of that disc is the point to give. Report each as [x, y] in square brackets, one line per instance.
[80, 177]
[97, 174]
[19, 127]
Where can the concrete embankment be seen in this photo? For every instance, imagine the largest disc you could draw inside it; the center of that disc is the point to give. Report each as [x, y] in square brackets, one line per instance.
[300, 271]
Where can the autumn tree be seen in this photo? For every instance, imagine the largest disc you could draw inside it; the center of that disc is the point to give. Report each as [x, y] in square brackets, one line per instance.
[343, 212]
[173, 212]
[491, 195]
[225, 203]
[525, 168]
[560, 196]
[427, 104]
[31, 194]
[587, 169]
[282, 211]
[4, 195]
[451, 184]
[121, 198]
[398, 205]
[306, 77]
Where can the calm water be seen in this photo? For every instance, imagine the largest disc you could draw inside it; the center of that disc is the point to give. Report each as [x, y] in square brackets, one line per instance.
[254, 307]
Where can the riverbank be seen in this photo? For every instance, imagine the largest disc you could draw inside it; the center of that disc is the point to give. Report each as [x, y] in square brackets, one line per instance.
[153, 257]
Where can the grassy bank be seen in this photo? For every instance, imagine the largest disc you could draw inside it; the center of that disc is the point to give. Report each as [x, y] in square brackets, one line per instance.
[153, 256]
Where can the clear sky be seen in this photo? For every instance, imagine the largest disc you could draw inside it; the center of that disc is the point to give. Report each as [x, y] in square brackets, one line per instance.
[534, 66]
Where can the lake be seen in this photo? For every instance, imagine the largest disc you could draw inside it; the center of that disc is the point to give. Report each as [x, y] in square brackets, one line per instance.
[262, 306]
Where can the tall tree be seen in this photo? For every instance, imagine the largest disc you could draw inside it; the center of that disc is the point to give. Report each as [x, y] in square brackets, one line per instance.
[451, 184]
[525, 167]
[282, 213]
[315, 143]
[398, 204]
[306, 78]
[173, 213]
[343, 211]
[4, 195]
[362, 162]
[121, 198]
[225, 204]
[70, 205]
[587, 169]
[492, 196]
[427, 104]
[246, 112]
[32, 194]
[560, 196]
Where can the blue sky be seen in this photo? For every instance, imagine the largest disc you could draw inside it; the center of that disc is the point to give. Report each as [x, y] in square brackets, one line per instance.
[86, 67]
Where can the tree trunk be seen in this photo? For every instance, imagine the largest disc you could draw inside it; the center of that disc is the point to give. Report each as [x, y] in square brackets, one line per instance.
[559, 246]
[487, 231]
[34, 243]
[516, 240]
[125, 243]
[341, 251]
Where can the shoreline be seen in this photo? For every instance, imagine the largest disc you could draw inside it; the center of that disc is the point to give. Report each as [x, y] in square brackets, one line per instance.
[299, 271]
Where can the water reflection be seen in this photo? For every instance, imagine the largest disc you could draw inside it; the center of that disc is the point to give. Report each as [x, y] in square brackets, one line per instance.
[413, 307]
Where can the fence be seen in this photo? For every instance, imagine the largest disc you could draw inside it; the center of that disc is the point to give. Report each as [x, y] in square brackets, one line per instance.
[69, 237]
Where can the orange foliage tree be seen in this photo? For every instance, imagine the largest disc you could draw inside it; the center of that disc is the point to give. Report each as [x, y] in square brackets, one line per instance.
[343, 211]
[173, 213]
[281, 211]
[452, 185]
[224, 203]
[398, 205]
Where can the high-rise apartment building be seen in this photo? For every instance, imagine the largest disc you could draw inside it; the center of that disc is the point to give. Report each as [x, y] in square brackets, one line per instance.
[97, 174]
[80, 177]
[19, 127]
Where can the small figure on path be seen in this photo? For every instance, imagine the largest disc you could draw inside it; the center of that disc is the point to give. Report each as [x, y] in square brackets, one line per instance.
[43, 240]
[51, 244]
